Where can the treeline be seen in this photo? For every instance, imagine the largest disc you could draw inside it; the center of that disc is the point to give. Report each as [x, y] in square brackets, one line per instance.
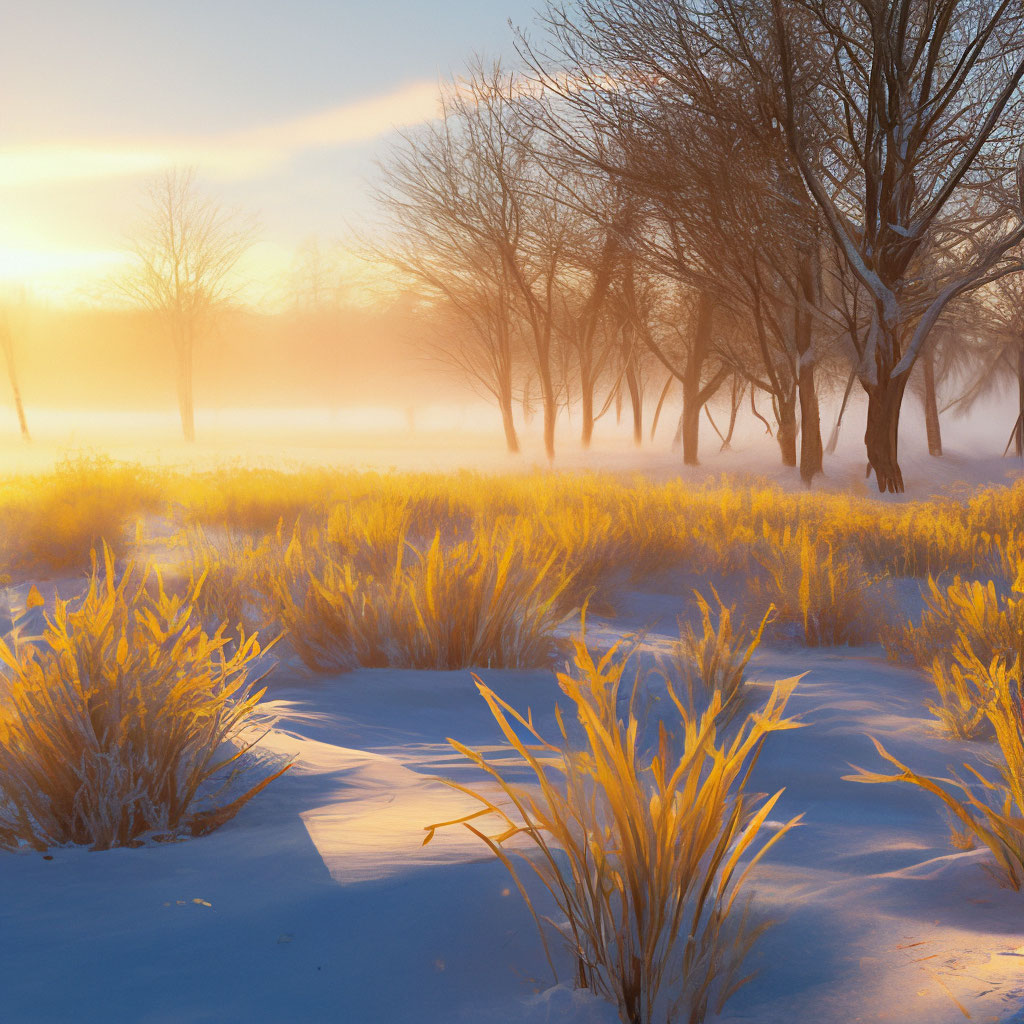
[757, 200]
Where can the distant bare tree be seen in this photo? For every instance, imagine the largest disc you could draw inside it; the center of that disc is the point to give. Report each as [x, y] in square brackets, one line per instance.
[994, 323]
[317, 282]
[183, 256]
[474, 219]
[7, 344]
[450, 239]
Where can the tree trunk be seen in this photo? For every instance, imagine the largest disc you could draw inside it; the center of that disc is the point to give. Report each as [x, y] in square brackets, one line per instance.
[586, 409]
[1019, 432]
[810, 417]
[738, 387]
[833, 440]
[508, 422]
[810, 425]
[695, 396]
[527, 403]
[550, 415]
[931, 404]
[881, 439]
[185, 402]
[786, 435]
[12, 373]
[689, 430]
[636, 401]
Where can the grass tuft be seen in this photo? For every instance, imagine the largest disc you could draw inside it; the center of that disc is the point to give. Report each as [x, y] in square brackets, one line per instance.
[115, 725]
[986, 809]
[822, 589]
[646, 854]
[478, 603]
[715, 659]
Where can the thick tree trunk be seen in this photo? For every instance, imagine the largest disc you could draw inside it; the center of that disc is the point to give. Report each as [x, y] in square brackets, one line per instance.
[786, 435]
[689, 431]
[810, 425]
[12, 374]
[694, 395]
[186, 406]
[881, 439]
[550, 415]
[931, 404]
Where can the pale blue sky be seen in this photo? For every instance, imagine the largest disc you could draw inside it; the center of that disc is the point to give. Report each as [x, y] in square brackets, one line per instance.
[282, 105]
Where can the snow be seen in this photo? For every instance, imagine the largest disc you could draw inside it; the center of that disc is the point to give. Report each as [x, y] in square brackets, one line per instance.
[319, 903]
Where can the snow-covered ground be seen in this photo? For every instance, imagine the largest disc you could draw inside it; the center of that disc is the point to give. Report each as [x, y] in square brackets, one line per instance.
[319, 903]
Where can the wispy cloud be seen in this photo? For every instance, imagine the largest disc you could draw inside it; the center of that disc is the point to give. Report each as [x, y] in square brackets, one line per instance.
[237, 155]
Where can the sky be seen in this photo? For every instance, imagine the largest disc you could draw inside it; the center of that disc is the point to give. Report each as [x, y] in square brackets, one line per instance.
[281, 105]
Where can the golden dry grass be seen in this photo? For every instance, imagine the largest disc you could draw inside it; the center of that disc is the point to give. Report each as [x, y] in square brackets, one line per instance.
[51, 522]
[645, 853]
[966, 631]
[715, 659]
[811, 554]
[116, 723]
[986, 807]
[632, 523]
[813, 585]
[483, 603]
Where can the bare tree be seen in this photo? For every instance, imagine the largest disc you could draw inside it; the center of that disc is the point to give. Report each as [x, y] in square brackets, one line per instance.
[7, 344]
[475, 216]
[183, 256]
[591, 265]
[450, 236]
[317, 282]
[993, 322]
[899, 114]
[648, 94]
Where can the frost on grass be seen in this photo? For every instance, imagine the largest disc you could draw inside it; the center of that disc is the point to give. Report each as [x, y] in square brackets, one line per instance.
[117, 722]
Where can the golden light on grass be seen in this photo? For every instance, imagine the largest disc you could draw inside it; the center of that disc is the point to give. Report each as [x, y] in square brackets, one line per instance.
[647, 855]
[715, 660]
[987, 807]
[120, 718]
[481, 602]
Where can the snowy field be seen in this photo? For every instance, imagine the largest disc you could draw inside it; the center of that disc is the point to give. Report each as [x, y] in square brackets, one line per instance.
[319, 903]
